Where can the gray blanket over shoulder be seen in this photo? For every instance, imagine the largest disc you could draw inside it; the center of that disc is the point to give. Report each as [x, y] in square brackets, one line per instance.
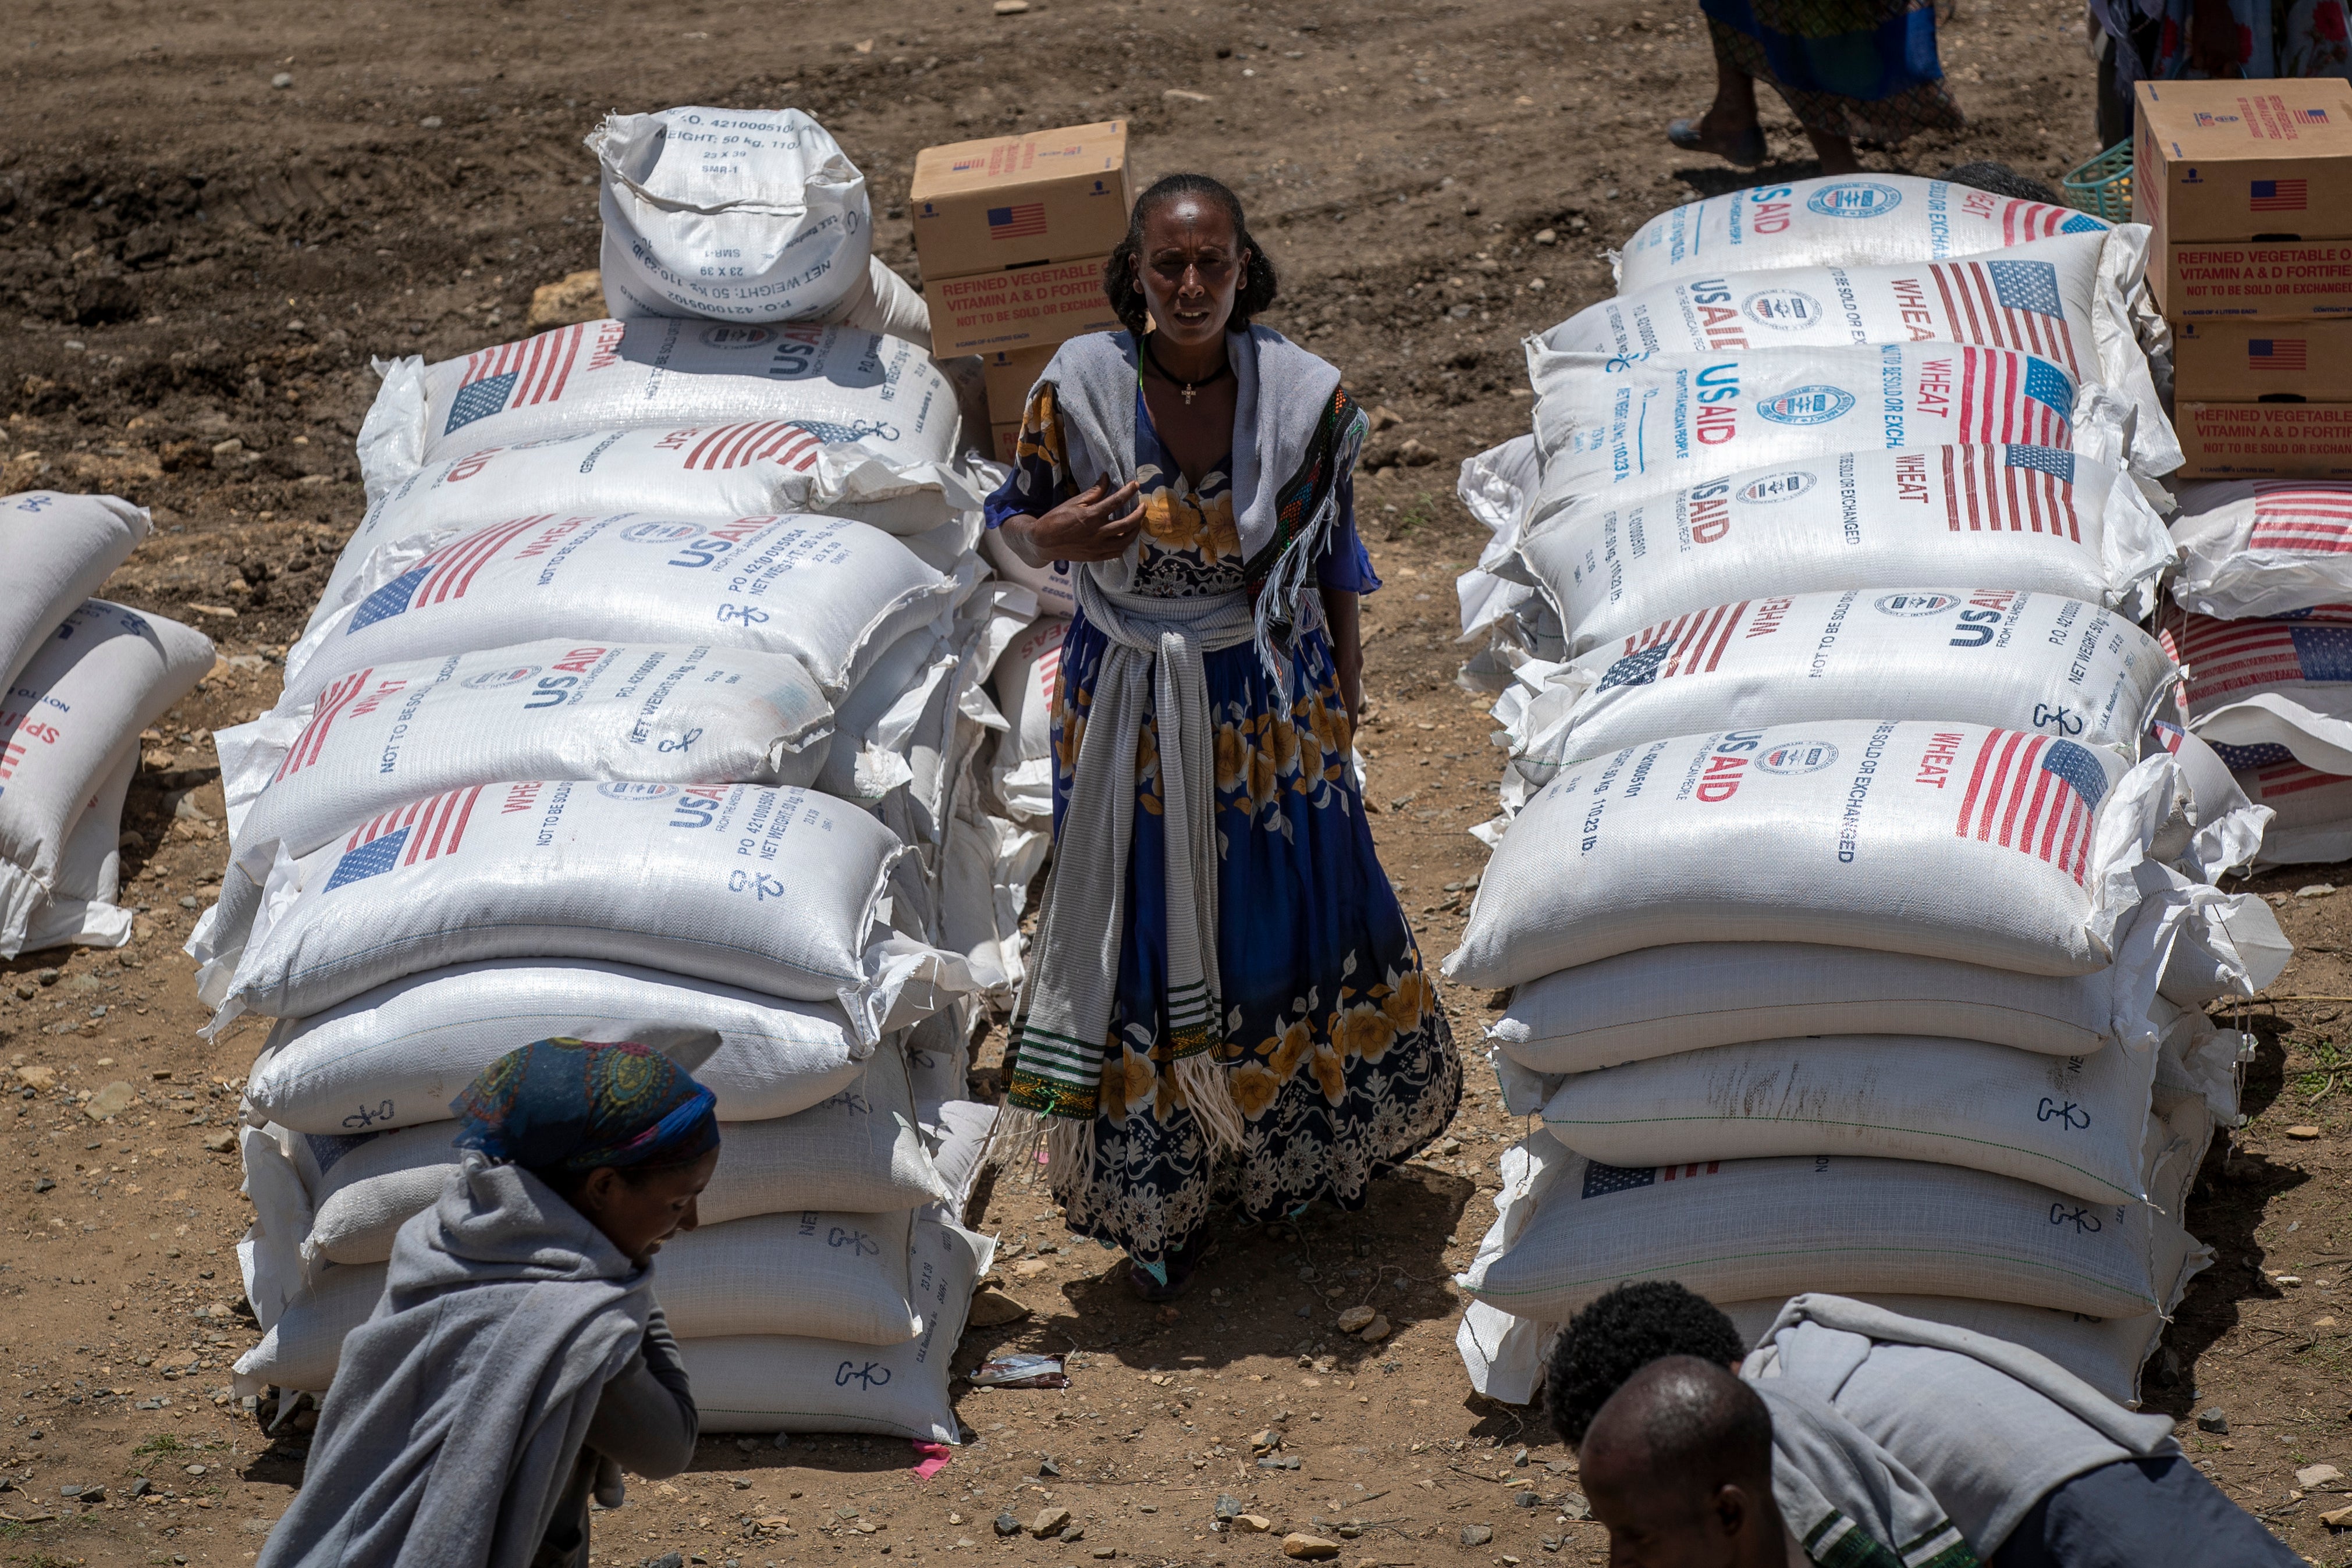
[459, 1406]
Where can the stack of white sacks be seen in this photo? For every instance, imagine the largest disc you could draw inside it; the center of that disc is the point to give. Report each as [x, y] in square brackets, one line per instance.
[2261, 619]
[646, 703]
[80, 678]
[1850, 943]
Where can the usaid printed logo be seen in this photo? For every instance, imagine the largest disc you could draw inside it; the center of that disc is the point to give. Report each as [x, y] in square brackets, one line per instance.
[1807, 405]
[659, 533]
[1776, 487]
[620, 789]
[1854, 199]
[721, 335]
[1798, 757]
[505, 677]
[1784, 309]
[1914, 603]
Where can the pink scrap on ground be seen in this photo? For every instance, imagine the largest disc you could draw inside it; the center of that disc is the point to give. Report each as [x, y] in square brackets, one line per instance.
[931, 1459]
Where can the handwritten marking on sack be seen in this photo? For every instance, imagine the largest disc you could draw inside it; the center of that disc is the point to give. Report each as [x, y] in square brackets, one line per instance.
[2083, 1221]
[872, 1375]
[860, 1244]
[369, 1115]
[2066, 1113]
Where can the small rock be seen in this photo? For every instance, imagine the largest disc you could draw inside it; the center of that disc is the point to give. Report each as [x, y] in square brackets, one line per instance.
[45, 1185]
[2287, 1279]
[1308, 1548]
[1355, 1318]
[2211, 1420]
[2304, 1131]
[1384, 417]
[1547, 237]
[574, 298]
[196, 1469]
[1229, 1506]
[1414, 455]
[1525, 1500]
[430, 123]
[70, 1492]
[1180, 94]
[1265, 1440]
[111, 1101]
[221, 1143]
[141, 1487]
[1048, 1468]
[1477, 1534]
[1010, 7]
[2312, 1476]
[1006, 1524]
[1030, 1268]
[1255, 1522]
[1520, 1460]
[2315, 890]
[1379, 1329]
[1101, 1553]
[1049, 1521]
[2337, 1519]
[667, 1559]
[94, 1494]
[1279, 1462]
[1072, 1533]
[282, 80]
[38, 1077]
[2326, 1322]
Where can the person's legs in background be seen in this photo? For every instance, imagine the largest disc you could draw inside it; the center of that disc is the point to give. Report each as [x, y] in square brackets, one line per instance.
[1730, 130]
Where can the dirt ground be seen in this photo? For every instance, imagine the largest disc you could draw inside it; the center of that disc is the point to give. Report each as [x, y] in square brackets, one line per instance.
[212, 217]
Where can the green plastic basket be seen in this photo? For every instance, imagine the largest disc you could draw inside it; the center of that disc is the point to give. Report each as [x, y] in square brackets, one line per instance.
[2102, 187]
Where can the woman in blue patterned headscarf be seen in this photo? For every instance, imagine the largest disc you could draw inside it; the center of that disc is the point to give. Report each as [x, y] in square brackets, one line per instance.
[517, 1362]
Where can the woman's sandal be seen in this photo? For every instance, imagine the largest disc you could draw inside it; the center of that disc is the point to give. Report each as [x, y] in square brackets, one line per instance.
[1747, 153]
[1181, 1268]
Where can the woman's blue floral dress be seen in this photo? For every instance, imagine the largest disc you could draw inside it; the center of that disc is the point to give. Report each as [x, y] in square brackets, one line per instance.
[1343, 1064]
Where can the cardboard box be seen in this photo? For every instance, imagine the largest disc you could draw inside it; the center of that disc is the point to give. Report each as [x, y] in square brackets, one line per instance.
[1016, 201]
[2262, 440]
[1000, 441]
[2242, 160]
[1010, 374]
[2264, 282]
[1027, 307]
[2246, 361]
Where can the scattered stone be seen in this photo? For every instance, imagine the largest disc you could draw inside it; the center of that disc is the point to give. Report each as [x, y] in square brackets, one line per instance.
[1384, 417]
[2327, 1322]
[1267, 1439]
[1255, 1522]
[1030, 1268]
[1006, 1524]
[1354, 1319]
[37, 1076]
[2315, 890]
[1308, 1548]
[2304, 1131]
[1525, 1500]
[196, 1469]
[1048, 1468]
[1179, 95]
[1547, 237]
[1049, 1521]
[1072, 1533]
[282, 80]
[1477, 1534]
[2287, 1279]
[45, 1185]
[70, 1492]
[1010, 7]
[141, 1487]
[1520, 1460]
[994, 1309]
[2211, 1420]
[1414, 455]
[111, 1101]
[1102, 1554]
[2337, 1519]
[430, 123]
[94, 1494]
[2312, 1476]
[1379, 1329]
[577, 296]
[1553, 1542]
[667, 1559]
[1229, 1506]
[1279, 1462]
[221, 1143]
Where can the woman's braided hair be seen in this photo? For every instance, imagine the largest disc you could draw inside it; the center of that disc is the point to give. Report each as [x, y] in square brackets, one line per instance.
[1126, 300]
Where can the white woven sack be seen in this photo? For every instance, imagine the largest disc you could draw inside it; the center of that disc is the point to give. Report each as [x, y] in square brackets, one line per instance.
[2311, 820]
[2063, 298]
[760, 1382]
[1610, 426]
[2263, 547]
[965, 1129]
[2014, 660]
[81, 910]
[782, 889]
[2072, 1123]
[841, 384]
[1836, 220]
[739, 215]
[386, 735]
[830, 1275]
[1825, 833]
[1027, 681]
[2267, 691]
[1498, 486]
[99, 677]
[59, 549]
[2028, 518]
[397, 1055]
[828, 592]
[1053, 585]
[302, 1348]
[269, 1254]
[1739, 1229]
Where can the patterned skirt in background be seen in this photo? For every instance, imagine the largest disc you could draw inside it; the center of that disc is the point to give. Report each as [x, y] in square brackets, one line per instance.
[1340, 1056]
[1866, 69]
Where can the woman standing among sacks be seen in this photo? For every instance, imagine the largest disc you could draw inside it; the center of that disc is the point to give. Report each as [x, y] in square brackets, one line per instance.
[516, 1363]
[1227, 1007]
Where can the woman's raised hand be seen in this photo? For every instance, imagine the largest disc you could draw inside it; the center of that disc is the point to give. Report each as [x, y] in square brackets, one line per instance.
[1097, 524]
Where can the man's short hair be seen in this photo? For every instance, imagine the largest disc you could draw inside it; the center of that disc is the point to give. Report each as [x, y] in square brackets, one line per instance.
[1698, 1421]
[1620, 1334]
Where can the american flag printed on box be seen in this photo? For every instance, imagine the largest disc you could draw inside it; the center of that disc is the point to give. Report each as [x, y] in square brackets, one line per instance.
[515, 375]
[2276, 355]
[1026, 220]
[2035, 795]
[2311, 116]
[2292, 514]
[2278, 195]
[421, 831]
[2007, 305]
[2226, 658]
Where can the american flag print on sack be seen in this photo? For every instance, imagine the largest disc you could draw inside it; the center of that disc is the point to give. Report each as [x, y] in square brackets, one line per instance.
[2034, 795]
[421, 831]
[2229, 657]
[779, 441]
[2007, 305]
[515, 375]
[2293, 516]
[1600, 1180]
[313, 739]
[444, 575]
[2282, 779]
[2000, 397]
[1689, 645]
[2024, 489]
[2278, 195]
